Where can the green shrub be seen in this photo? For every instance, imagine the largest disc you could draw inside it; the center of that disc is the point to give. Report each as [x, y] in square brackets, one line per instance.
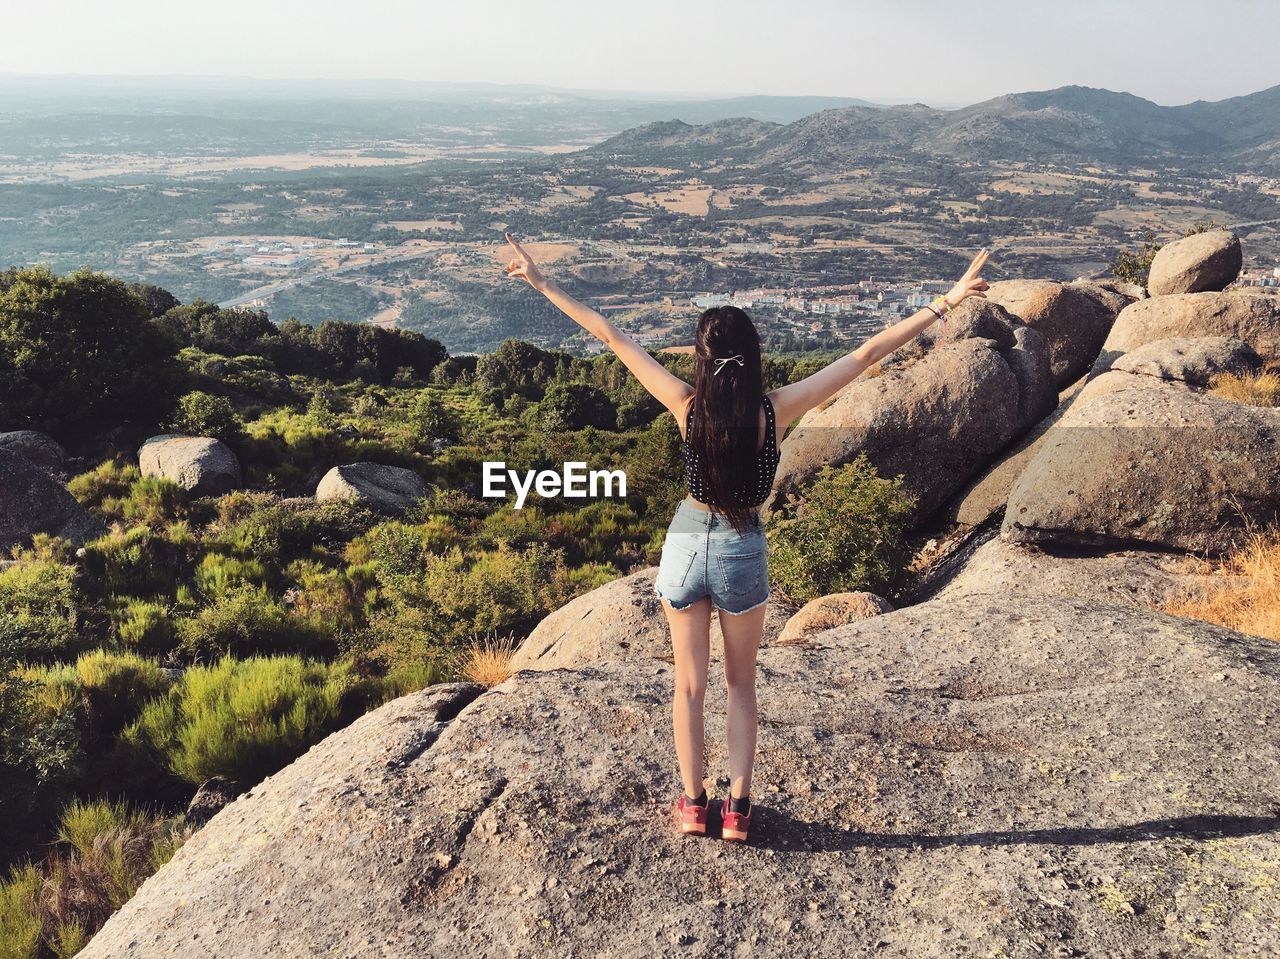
[137, 562]
[243, 719]
[247, 620]
[145, 625]
[575, 406]
[39, 608]
[21, 926]
[40, 750]
[202, 414]
[115, 686]
[847, 534]
[430, 419]
[109, 480]
[218, 575]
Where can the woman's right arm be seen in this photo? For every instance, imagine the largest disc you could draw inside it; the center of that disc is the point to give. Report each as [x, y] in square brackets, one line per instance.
[796, 399]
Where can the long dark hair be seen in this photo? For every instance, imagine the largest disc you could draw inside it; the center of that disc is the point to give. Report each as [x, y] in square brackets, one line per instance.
[724, 432]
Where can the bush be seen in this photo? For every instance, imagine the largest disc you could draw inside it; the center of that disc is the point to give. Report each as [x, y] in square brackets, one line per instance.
[429, 419]
[79, 350]
[243, 719]
[146, 626]
[39, 753]
[847, 534]
[247, 620]
[202, 414]
[112, 479]
[139, 562]
[39, 609]
[54, 910]
[575, 406]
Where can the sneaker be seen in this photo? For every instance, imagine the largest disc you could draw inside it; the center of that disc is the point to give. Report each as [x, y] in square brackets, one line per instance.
[734, 825]
[693, 818]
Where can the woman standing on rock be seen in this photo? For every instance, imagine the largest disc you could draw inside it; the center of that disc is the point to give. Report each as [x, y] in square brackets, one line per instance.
[714, 554]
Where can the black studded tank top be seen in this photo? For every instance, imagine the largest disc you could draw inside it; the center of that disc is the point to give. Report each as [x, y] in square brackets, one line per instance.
[755, 488]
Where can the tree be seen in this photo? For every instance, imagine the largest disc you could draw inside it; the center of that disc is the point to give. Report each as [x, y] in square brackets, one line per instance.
[201, 414]
[575, 406]
[158, 300]
[79, 350]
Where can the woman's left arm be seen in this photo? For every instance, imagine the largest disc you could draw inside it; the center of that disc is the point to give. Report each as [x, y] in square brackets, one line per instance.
[667, 388]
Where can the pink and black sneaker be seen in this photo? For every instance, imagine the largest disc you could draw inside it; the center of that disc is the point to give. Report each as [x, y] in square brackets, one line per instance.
[693, 817]
[734, 825]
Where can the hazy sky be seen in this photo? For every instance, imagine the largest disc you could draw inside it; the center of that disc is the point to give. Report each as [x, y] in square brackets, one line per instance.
[942, 52]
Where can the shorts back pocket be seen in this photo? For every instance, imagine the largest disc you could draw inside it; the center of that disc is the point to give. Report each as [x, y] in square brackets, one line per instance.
[673, 568]
[743, 573]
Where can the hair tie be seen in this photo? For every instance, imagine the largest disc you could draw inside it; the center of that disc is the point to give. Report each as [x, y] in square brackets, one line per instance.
[722, 361]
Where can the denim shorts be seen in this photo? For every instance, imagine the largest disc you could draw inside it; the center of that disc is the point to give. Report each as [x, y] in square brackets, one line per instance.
[705, 556]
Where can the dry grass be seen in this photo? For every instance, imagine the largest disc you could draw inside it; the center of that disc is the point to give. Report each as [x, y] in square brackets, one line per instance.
[1253, 607]
[1255, 389]
[489, 663]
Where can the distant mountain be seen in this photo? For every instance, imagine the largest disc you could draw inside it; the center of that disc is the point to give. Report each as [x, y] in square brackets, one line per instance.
[1072, 122]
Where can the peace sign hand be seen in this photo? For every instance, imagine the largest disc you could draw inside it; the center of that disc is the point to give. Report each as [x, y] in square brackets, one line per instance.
[970, 284]
[524, 267]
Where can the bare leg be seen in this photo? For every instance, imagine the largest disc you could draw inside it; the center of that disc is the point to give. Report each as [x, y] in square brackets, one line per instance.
[691, 648]
[741, 642]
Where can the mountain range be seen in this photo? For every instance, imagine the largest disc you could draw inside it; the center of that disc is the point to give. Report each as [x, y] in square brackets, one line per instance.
[1071, 122]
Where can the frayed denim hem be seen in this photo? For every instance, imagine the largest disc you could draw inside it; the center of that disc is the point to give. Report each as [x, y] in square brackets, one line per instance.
[748, 609]
[674, 605]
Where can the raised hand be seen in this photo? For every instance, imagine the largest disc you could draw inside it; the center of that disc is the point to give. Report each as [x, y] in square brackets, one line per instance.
[524, 267]
[970, 284]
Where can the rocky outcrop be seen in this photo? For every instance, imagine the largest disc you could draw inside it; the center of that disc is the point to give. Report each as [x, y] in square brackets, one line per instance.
[33, 502]
[1145, 578]
[828, 612]
[1073, 318]
[967, 776]
[936, 417]
[201, 465]
[388, 489]
[622, 619]
[986, 496]
[1194, 264]
[1192, 360]
[1144, 460]
[40, 448]
[1248, 316]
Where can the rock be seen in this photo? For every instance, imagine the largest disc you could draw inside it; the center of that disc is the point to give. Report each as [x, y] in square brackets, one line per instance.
[936, 418]
[622, 619]
[1126, 577]
[210, 798]
[1143, 460]
[956, 772]
[33, 502]
[388, 489]
[1194, 264]
[1193, 360]
[1252, 317]
[827, 612]
[986, 496]
[199, 464]
[1074, 319]
[1116, 294]
[40, 448]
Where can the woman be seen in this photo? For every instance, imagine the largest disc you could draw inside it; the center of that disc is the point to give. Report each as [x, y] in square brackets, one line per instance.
[714, 553]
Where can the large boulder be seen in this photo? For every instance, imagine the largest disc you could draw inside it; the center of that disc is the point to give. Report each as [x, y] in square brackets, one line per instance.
[199, 464]
[1194, 264]
[1074, 318]
[33, 502]
[966, 777]
[936, 416]
[1149, 578]
[619, 620]
[40, 448]
[985, 497]
[1194, 360]
[388, 489]
[1139, 459]
[1249, 316]
[828, 612]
